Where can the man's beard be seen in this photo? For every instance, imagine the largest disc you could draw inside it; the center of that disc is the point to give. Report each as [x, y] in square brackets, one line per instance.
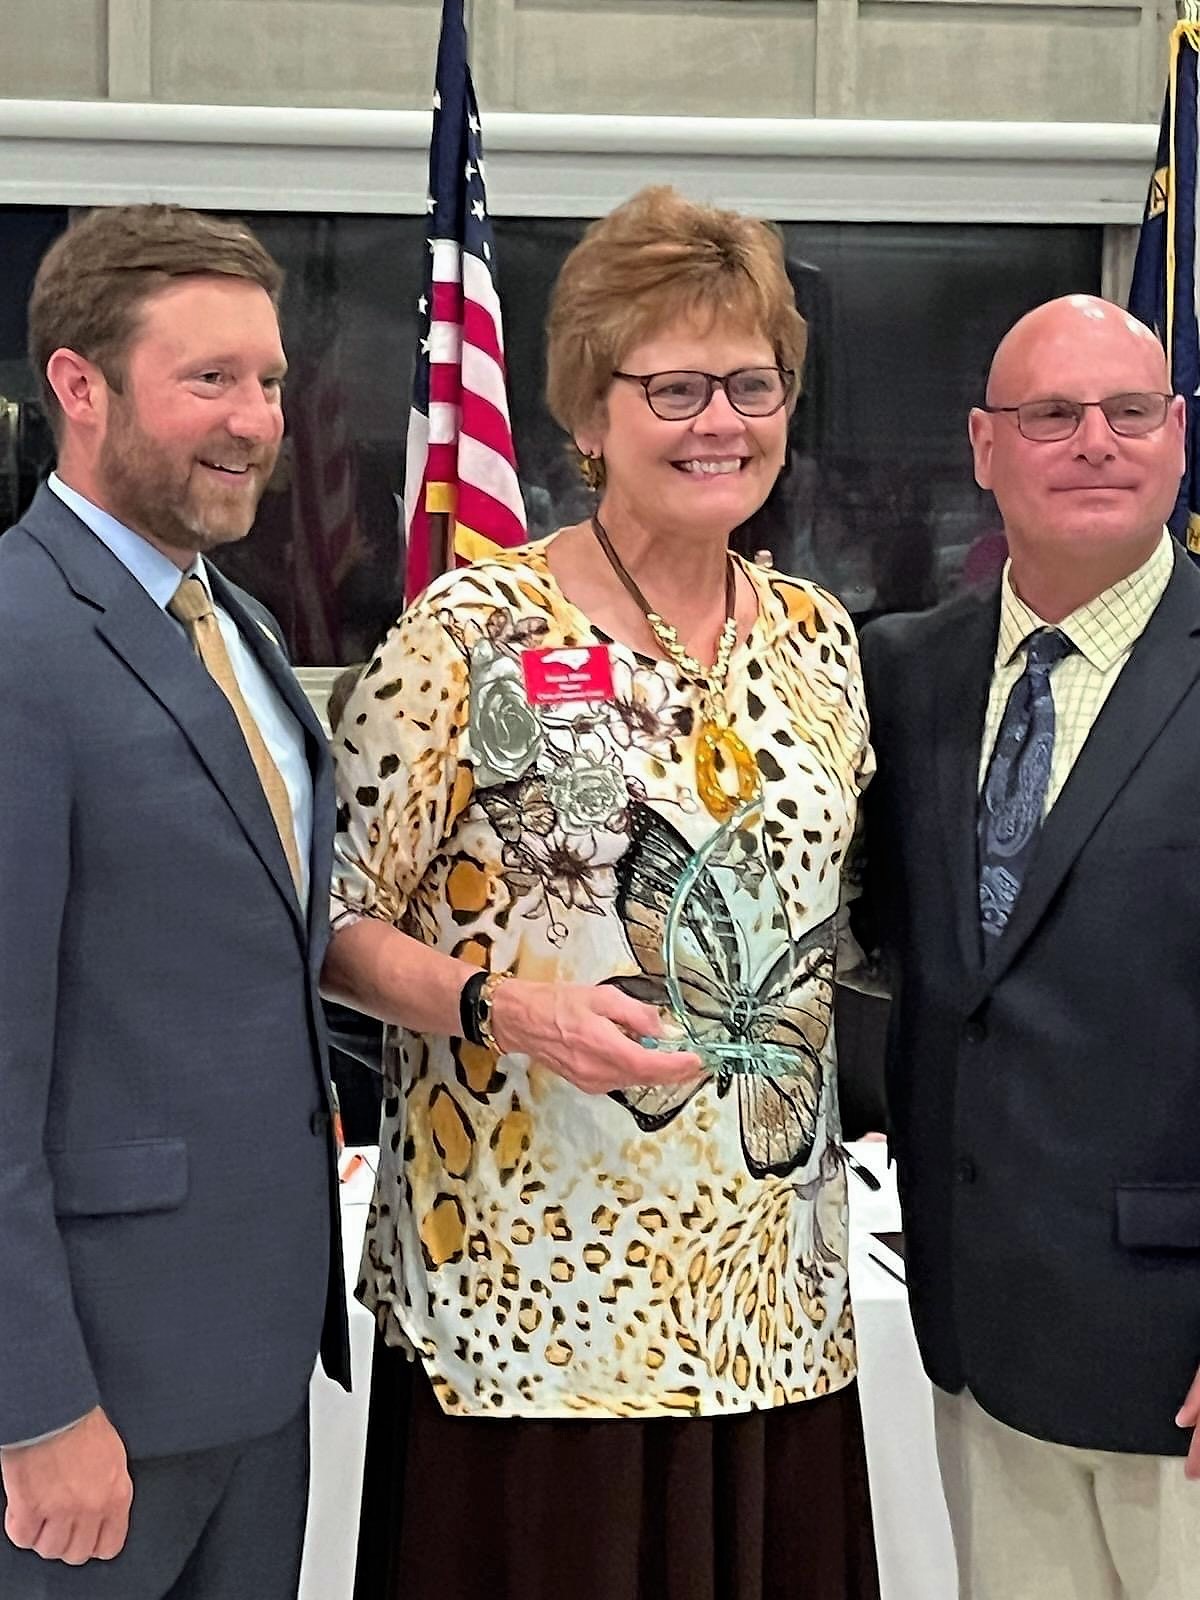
[160, 497]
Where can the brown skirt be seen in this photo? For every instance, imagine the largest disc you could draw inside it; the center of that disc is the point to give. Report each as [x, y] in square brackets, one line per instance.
[764, 1505]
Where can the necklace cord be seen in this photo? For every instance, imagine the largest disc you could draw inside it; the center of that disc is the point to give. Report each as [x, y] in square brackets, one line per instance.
[714, 677]
[719, 750]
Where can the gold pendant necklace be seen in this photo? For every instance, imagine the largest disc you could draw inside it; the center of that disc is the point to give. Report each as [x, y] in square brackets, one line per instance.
[718, 748]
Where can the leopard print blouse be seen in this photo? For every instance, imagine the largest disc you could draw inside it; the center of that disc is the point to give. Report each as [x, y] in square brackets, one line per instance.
[660, 1252]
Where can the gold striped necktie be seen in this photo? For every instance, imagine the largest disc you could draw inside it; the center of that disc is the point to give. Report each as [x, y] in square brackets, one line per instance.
[191, 606]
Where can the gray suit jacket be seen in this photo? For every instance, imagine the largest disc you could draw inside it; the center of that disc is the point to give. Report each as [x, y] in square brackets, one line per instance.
[168, 1205]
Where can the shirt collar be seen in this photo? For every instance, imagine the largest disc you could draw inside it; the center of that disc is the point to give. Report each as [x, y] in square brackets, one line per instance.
[156, 573]
[1103, 629]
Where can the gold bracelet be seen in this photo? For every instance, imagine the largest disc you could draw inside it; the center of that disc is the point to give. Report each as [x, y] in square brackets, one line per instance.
[487, 1000]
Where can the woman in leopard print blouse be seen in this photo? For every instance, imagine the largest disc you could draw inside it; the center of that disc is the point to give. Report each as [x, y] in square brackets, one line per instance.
[621, 1272]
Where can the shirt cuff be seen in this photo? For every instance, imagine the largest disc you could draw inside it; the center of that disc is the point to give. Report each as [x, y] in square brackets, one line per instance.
[41, 1438]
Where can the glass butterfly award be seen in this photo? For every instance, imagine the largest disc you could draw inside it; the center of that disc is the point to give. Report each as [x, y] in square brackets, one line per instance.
[730, 961]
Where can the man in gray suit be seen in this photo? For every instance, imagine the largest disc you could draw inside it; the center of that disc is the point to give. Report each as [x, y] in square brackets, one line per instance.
[168, 1256]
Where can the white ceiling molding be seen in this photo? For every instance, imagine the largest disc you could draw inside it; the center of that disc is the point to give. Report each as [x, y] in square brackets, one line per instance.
[260, 158]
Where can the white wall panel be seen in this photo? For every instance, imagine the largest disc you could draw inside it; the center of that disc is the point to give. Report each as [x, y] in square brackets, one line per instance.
[1023, 59]
[55, 48]
[699, 57]
[1013, 60]
[294, 52]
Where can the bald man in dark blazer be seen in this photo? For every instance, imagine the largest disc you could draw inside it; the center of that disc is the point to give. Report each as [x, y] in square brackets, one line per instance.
[1034, 843]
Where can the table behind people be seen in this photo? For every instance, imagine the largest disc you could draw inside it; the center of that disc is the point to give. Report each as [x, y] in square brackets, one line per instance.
[1031, 834]
[667, 1259]
[166, 1175]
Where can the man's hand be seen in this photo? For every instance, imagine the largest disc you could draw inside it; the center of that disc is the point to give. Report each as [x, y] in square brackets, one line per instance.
[69, 1496]
[1189, 1417]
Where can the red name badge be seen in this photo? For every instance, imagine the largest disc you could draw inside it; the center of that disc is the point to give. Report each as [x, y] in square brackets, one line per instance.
[581, 672]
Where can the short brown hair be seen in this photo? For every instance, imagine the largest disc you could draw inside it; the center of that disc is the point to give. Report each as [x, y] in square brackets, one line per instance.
[653, 261]
[94, 280]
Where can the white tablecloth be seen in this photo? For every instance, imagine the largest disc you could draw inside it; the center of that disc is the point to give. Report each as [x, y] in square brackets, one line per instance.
[912, 1533]
[915, 1555]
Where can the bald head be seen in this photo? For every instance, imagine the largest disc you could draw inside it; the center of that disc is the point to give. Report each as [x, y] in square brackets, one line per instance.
[1074, 325]
[1083, 511]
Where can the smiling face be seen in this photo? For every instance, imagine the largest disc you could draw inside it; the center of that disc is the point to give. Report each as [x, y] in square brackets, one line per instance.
[189, 442]
[1096, 497]
[701, 476]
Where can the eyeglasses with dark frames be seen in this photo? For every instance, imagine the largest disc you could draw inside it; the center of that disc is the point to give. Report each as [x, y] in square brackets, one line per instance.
[751, 391]
[1130, 415]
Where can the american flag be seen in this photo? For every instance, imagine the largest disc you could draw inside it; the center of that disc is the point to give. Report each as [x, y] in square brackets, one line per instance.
[460, 458]
[1163, 291]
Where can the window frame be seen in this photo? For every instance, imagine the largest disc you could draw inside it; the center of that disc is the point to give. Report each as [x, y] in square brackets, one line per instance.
[268, 158]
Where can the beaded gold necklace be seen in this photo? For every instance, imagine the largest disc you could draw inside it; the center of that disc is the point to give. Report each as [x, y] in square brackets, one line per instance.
[718, 747]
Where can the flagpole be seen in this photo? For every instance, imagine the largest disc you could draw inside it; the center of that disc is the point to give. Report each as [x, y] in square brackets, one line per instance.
[462, 493]
[441, 537]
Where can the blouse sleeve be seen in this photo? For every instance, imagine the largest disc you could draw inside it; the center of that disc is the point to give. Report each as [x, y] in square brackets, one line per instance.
[400, 782]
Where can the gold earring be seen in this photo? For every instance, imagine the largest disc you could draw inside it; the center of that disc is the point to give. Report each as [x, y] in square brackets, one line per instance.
[591, 470]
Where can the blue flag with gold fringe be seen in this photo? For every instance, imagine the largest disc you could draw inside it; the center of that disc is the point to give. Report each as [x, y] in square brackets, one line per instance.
[1163, 292]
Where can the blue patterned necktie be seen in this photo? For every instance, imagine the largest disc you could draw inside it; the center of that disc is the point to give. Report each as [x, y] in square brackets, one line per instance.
[1018, 775]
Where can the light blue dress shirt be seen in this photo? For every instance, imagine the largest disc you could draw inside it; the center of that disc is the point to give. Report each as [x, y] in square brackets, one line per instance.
[160, 577]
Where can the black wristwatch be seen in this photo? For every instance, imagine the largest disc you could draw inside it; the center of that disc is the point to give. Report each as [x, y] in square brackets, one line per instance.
[470, 1009]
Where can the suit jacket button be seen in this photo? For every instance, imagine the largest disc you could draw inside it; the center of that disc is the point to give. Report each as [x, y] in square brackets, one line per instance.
[319, 1123]
[964, 1172]
[975, 1031]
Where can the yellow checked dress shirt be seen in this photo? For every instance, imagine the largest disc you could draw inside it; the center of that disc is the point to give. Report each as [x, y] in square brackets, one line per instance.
[1103, 632]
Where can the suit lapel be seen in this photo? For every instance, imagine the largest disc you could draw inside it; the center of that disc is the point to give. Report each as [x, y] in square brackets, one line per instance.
[1162, 667]
[960, 706]
[269, 653]
[154, 648]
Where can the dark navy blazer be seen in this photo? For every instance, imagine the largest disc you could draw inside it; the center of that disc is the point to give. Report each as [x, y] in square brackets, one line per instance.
[1045, 1097]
